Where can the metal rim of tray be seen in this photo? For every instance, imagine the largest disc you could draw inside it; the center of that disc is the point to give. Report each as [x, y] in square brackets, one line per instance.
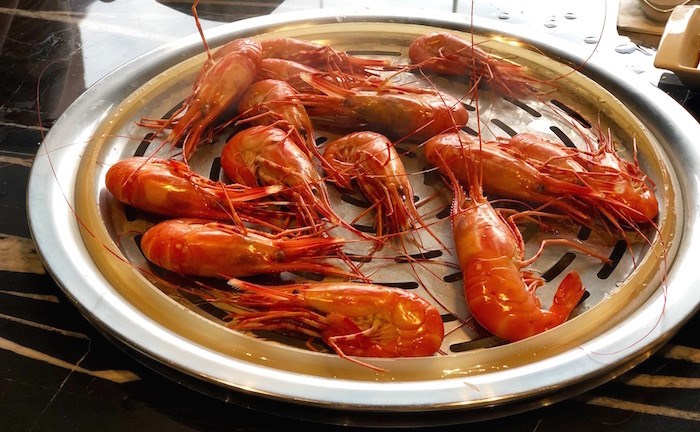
[543, 372]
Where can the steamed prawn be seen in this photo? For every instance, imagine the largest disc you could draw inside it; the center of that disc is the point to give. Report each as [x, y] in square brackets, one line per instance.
[276, 102]
[354, 319]
[318, 56]
[446, 53]
[499, 294]
[392, 111]
[630, 190]
[623, 193]
[370, 160]
[292, 73]
[212, 249]
[491, 252]
[221, 81]
[506, 175]
[170, 188]
[288, 71]
[267, 155]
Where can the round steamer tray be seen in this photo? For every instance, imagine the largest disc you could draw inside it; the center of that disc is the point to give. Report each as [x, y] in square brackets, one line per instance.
[633, 305]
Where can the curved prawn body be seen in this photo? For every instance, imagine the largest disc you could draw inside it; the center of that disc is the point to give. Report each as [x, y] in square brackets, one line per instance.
[204, 248]
[500, 295]
[276, 102]
[506, 175]
[219, 85]
[370, 160]
[448, 54]
[169, 188]
[355, 319]
[267, 155]
[318, 56]
[391, 111]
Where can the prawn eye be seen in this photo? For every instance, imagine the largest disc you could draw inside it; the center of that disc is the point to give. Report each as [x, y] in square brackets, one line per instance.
[279, 256]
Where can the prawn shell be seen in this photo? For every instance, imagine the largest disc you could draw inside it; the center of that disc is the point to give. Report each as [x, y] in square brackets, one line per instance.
[373, 162]
[220, 84]
[317, 55]
[395, 113]
[202, 248]
[268, 155]
[449, 54]
[358, 319]
[163, 187]
[275, 102]
[440, 52]
[417, 330]
[504, 174]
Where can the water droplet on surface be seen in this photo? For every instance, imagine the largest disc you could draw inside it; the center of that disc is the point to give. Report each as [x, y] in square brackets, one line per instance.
[550, 24]
[591, 39]
[626, 48]
[570, 15]
[636, 69]
[503, 15]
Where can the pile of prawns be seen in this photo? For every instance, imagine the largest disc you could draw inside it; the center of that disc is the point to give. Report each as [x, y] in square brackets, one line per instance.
[274, 214]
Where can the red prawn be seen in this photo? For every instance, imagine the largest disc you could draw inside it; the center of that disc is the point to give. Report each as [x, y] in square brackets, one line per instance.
[449, 54]
[213, 249]
[267, 155]
[354, 319]
[624, 195]
[491, 253]
[293, 72]
[319, 56]
[170, 188]
[396, 112]
[506, 175]
[288, 71]
[275, 102]
[630, 190]
[370, 160]
[219, 85]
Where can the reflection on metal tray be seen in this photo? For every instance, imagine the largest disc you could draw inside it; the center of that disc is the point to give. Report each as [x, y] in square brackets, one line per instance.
[632, 308]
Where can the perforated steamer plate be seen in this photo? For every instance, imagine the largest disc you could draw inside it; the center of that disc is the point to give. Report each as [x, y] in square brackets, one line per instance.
[632, 308]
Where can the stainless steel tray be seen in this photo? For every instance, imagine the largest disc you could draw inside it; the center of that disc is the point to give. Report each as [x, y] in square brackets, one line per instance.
[87, 241]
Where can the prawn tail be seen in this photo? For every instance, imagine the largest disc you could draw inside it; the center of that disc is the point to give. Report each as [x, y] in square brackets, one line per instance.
[568, 295]
[537, 320]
